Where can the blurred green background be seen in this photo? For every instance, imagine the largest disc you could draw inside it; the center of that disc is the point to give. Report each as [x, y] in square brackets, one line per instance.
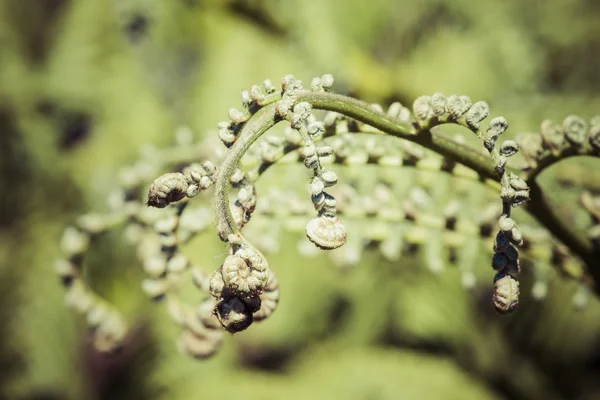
[85, 84]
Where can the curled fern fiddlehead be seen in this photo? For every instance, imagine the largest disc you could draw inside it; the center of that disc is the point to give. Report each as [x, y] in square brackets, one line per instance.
[244, 288]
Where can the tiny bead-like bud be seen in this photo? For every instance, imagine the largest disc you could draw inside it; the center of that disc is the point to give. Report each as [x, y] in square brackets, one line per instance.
[227, 136]
[315, 129]
[324, 151]
[311, 162]
[516, 236]
[477, 113]
[507, 194]
[458, 105]
[512, 253]
[256, 93]
[394, 110]
[575, 129]
[287, 82]
[496, 128]
[509, 148]
[327, 81]
[245, 97]
[178, 263]
[517, 183]
[552, 135]
[315, 84]
[502, 241]
[438, 104]
[506, 293]
[422, 108]
[513, 266]
[303, 110]
[499, 261]
[191, 191]
[329, 177]
[155, 288]
[268, 86]
[506, 224]
[236, 115]
[376, 107]
[500, 164]
[166, 189]
[216, 284]
[316, 186]
[521, 197]
[234, 315]
[239, 277]
[327, 233]
[74, 242]
[594, 136]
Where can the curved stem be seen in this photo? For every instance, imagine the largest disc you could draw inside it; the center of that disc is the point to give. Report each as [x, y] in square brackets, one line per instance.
[266, 118]
[433, 141]
[551, 159]
[262, 121]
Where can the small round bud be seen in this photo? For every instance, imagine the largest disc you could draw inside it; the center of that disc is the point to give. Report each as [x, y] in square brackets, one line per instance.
[227, 136]
[327, 81]
[458, 105]
[516, 236]
[245, 97]
[256, 93]
[287, 82]
[74, 242]
[422, 108]
[303, 110]
[316, 186]
[502, 241]
[155, 288]
[167, 189]
[236, 116]
[512, 253]
[521, 197]
[329, 177]
[394, 110]
[268, 86]
[517, 183]
[506, 293]
[509, 148]
[499, 261]
[327, 233]
[477, 113]
[315, 129]
[438, 104]
[506, 224]
[594, 136]
[177, 264]
[575, 129]
[234, 315]
[240, 278]
[507, 194]
[191, 191]
[217, 284]
[552, 135]
[155, 266]
[315, 84]
[500, 164]
[324, 151]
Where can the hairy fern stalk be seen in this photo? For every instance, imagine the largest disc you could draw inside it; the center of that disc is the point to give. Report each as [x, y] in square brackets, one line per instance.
[244, 288]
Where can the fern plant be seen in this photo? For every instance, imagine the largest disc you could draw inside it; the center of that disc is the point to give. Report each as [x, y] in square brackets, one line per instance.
[244, 289]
